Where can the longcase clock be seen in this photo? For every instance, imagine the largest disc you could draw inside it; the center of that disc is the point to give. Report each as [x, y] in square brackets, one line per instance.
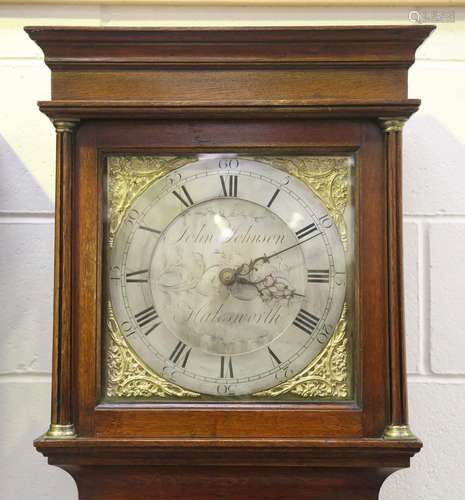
[228, 313]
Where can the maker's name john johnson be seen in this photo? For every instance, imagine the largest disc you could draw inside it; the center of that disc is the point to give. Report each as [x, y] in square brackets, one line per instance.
[234, 235]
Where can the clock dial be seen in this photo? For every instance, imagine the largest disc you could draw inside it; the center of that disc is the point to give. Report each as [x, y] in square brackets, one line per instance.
[230, 276]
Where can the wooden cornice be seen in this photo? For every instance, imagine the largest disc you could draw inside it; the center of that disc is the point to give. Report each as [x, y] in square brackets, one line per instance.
[347, 71]
[94, 48]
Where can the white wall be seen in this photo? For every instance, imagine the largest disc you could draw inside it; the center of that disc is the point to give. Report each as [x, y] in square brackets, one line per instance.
[434, 231]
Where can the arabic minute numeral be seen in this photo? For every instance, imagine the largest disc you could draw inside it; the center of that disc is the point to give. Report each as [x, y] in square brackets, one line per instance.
[283, 373]
[174, 178]
[326, 221]
[228, 163]
[323, 335]
[223, 389]
[127, 328]
[115, 273]
[132, 216]
[340, 278]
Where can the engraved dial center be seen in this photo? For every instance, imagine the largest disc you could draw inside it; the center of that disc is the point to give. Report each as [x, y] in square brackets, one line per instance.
[201, 297]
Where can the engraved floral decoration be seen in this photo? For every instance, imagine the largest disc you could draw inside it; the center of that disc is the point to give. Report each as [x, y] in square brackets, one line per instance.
[127, 377]
[329, 374]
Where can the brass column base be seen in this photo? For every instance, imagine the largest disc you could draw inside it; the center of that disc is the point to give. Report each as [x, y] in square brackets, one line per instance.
[57, 431]
[398, 432]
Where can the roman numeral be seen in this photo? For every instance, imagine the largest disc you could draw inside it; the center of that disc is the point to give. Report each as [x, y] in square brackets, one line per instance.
[226, 370]
[180, 354]
[148, 317]
[231, 189]
[274, 358]
[318, 276]
[306, 321]
[305, 231]
[273, 198]
[137, 276]
[150, 229]
[187, 201]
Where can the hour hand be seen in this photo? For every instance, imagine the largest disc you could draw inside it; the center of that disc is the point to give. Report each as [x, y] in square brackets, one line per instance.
[271, 287]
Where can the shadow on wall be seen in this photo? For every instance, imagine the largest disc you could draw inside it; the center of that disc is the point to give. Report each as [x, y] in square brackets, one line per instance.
[26, 272]
[19, 191]
[26, 268]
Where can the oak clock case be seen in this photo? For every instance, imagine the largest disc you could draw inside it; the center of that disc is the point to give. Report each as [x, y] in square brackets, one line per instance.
[227, 277]
[228, 300]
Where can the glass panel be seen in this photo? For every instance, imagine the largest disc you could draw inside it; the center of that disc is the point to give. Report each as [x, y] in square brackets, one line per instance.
[229, 277]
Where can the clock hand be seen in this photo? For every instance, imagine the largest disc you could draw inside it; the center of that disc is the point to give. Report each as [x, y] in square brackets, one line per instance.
[271, 289]
[267, 258]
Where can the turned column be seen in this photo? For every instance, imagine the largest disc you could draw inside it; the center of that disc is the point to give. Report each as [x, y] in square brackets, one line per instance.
[61, 425]
[398, 427]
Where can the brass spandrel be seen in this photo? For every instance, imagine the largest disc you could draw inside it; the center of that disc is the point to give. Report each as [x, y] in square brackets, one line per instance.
[128, 376]
[327, 176]
[328, 376]
[129, 177]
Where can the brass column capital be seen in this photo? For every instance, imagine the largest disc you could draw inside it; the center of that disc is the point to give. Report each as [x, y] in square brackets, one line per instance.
[392, 124]
[65, 125]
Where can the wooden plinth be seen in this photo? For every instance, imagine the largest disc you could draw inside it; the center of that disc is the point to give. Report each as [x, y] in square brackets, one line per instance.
[349, 469]
[202, 483]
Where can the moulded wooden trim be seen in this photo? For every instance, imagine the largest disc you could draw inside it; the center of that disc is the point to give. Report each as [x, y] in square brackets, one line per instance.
[232, 452]
[276, 442]
[247, 109]
[236, 34]
[221, 47]
[327, 64]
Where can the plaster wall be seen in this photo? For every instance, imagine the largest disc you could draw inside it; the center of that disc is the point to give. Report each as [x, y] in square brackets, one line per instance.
[434, 222]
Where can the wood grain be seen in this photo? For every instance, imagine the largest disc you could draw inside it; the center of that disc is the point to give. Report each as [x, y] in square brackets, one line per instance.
[314, 90]
[398, 383]
[232, 483]
[61, 412]
[266, 109]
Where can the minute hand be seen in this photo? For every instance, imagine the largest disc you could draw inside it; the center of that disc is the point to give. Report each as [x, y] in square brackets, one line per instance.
[265, 258]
